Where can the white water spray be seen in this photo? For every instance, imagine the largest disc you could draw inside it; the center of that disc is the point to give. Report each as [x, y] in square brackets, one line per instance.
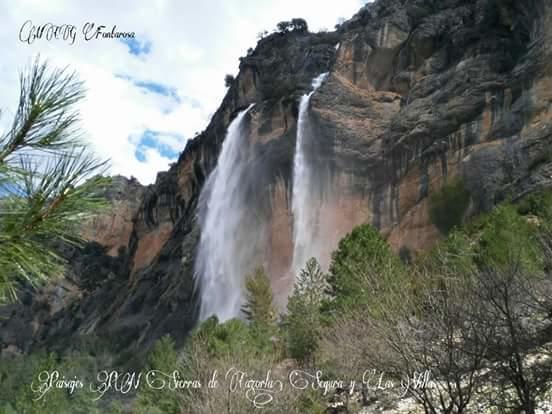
[220, 260]
[305, 215]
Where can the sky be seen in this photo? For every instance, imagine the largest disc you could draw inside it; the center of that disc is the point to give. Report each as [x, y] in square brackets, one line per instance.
[148, 95]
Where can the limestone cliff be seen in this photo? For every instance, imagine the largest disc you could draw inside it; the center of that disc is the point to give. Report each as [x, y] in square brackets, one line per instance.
[419, 91]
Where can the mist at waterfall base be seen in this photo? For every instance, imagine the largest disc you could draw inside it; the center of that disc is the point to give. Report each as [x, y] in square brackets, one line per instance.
[225, 254]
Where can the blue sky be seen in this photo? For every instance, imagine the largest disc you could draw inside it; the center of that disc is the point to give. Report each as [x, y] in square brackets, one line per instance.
[137, 47]
[148, 95]
[154, 87]
[156, 140]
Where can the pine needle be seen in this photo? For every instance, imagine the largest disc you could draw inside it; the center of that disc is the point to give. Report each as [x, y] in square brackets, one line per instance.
[49, 181]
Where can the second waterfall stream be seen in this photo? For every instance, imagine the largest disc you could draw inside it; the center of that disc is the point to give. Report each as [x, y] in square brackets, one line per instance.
[304, 200]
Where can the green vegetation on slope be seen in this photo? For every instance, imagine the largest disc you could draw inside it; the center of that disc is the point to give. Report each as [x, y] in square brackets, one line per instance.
[478, 302]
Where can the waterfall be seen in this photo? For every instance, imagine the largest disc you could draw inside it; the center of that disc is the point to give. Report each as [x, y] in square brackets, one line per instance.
[231, 239]
[220, 260]
[304, 198]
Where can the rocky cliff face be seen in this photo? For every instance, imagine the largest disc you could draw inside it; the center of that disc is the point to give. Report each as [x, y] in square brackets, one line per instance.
[418, 92]
[423, 91]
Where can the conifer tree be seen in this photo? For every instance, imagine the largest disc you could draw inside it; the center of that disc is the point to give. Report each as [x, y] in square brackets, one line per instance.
[259, 308]
[48, 179]
[304, 321]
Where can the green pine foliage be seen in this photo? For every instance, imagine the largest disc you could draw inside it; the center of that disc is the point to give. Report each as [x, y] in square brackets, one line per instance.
[303, 322]
[233, 337]
[364, 280]
[18, 377]
[469, 302]
[48, 179]
[259, 307]
[236, 345]
[312, 283]
[165, 359]
[363, 269]
[455, 255]
[508, 237]
[537, 204]
[497, 239]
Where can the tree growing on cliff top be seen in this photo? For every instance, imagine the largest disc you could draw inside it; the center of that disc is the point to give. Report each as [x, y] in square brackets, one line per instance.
[228, 80]
[296, 24]
[48, 178]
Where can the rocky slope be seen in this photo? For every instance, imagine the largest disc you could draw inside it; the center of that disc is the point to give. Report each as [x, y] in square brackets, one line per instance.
[419, 91]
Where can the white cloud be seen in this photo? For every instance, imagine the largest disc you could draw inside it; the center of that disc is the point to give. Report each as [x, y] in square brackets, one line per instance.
[193, 45]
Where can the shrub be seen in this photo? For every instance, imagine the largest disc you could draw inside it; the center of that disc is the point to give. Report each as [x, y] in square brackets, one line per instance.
[235, 345]
[507, 237]
[455, 255]
[17, 396]
[234, 337]
[299, 24]
[538, 204]
[283, 27]
[228, 80]
[261, 35]
[448, 206]
[296, 24]
[405, 255]
[163, 357]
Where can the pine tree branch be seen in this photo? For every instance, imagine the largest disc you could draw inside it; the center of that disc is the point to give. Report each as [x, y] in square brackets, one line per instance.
[46, 117]
[49, 181]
